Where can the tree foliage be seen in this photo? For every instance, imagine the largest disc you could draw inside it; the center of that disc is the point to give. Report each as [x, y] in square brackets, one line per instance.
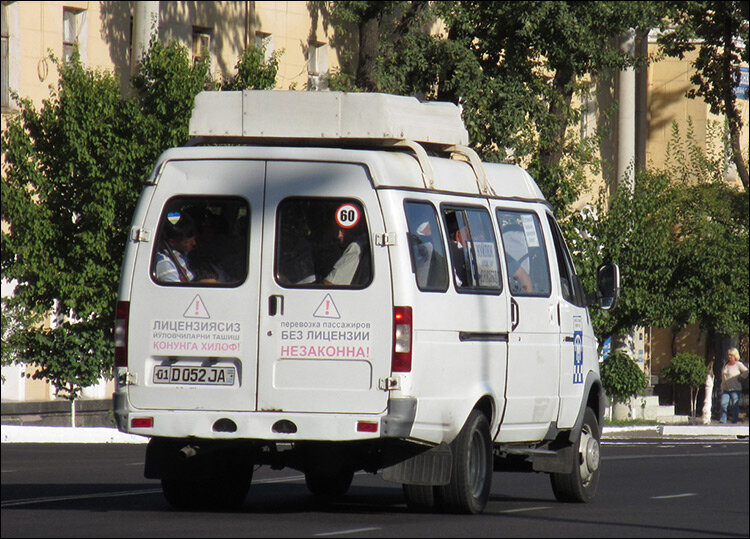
[73, 172]
[681, 240]
[690, 370]
[621, 377]
[253, 71]
[719, 30]
[514, 67]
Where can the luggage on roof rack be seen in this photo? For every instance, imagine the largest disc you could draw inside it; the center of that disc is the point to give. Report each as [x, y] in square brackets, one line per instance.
[364, 118]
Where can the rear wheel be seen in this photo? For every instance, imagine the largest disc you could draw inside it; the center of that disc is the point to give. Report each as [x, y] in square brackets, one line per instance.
[421, 498]
[471, 474]
[580, 484]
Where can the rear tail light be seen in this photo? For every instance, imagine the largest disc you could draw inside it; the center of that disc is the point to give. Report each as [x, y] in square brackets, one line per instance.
[142, 423]
[121, 333]
[367, 426]
[402, 329]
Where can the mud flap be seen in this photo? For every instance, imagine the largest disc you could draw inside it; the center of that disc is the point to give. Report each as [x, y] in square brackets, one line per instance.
[432, 467]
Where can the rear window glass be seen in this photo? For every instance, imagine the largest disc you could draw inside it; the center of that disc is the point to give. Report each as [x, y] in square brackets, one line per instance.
[202, 241]
[322, 243]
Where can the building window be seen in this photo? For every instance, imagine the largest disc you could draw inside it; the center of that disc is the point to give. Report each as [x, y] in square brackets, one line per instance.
[201, 43]
[264, 42]
[5, 59]
[70, 32]
[317, 66]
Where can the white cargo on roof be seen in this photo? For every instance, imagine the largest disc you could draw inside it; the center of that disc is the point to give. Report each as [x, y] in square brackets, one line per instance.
[325, 115]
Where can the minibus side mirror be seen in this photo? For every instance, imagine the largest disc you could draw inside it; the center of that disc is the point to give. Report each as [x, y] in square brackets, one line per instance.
[607, 286]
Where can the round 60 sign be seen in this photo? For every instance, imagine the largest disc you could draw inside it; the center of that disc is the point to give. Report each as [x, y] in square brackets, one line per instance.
[347, 216]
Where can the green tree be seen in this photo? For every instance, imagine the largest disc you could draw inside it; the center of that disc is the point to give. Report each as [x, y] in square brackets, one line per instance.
[378, 25]
[73, 171]
[621, 377]
[534, 58]
[719, 30]
[689, 370]
[253, 71]
[681, 240]
[514, 66]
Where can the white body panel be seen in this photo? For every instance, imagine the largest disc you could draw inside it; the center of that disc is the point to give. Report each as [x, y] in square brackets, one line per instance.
[464, 348]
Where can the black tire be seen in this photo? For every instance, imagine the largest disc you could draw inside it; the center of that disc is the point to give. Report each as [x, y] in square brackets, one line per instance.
[421, 498]
[581, 483]
[471, 474]
[226, 494]
[330, 485]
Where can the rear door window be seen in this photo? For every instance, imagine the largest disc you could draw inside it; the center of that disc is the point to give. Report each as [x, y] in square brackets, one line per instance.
[202, 241]
[323, 243]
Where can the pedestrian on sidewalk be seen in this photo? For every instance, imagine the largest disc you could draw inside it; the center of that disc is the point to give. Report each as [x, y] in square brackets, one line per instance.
[731, 387]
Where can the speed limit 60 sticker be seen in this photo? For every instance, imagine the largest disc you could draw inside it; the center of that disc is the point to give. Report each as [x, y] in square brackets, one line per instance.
[347, 216]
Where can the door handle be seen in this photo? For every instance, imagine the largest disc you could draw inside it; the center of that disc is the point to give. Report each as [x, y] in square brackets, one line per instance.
[276, 305]
[514, 314]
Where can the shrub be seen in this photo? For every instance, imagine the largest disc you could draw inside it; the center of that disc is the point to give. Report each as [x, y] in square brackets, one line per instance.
[690, 370]
[621, 377]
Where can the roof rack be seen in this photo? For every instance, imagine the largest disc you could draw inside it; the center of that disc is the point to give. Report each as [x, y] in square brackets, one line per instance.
[343, 118]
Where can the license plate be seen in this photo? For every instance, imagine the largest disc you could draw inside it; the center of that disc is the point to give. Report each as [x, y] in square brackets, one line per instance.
[210, 376]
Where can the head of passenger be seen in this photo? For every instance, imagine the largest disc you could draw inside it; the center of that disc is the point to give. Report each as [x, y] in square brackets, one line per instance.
[345, 236]
[179, 232]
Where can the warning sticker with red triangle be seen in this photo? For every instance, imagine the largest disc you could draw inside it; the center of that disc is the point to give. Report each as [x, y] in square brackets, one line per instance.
[196, 309]
[327, 309]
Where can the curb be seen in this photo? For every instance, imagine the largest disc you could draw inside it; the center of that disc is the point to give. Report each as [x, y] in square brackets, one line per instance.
[105, 435]
[693, 431]
[67, 435]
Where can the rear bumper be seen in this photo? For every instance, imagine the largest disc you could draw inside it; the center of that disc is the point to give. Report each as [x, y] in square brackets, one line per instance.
[275, 426]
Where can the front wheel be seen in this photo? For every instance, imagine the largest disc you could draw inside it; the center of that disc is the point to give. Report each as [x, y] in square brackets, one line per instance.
[580, 484]
[471, 474]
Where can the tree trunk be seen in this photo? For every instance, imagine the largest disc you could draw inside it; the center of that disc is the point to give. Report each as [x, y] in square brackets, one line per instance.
[730, 106]
[368, 54]
[551, 153]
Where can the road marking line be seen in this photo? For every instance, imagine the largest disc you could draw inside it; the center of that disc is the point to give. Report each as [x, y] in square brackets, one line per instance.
[670, 496]
[344, 532]
[31, 501]
[523, 509]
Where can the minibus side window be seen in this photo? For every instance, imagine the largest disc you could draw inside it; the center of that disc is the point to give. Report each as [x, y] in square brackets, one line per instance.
[202, 241]
[428, 262]
[569, 282]
[525, 253]
[474, 258]
[322, 243]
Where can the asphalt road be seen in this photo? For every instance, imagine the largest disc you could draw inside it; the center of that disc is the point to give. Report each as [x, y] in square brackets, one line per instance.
[649, 488]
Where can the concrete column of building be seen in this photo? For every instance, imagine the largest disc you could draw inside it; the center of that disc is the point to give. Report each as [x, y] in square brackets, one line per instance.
[626, 119]
[145, 22]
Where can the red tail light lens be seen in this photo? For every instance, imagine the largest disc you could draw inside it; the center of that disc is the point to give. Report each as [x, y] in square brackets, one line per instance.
[121, 333]
[402, 329]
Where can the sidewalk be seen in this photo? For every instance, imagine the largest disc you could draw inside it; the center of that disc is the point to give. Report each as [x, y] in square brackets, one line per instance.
[105, 435]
